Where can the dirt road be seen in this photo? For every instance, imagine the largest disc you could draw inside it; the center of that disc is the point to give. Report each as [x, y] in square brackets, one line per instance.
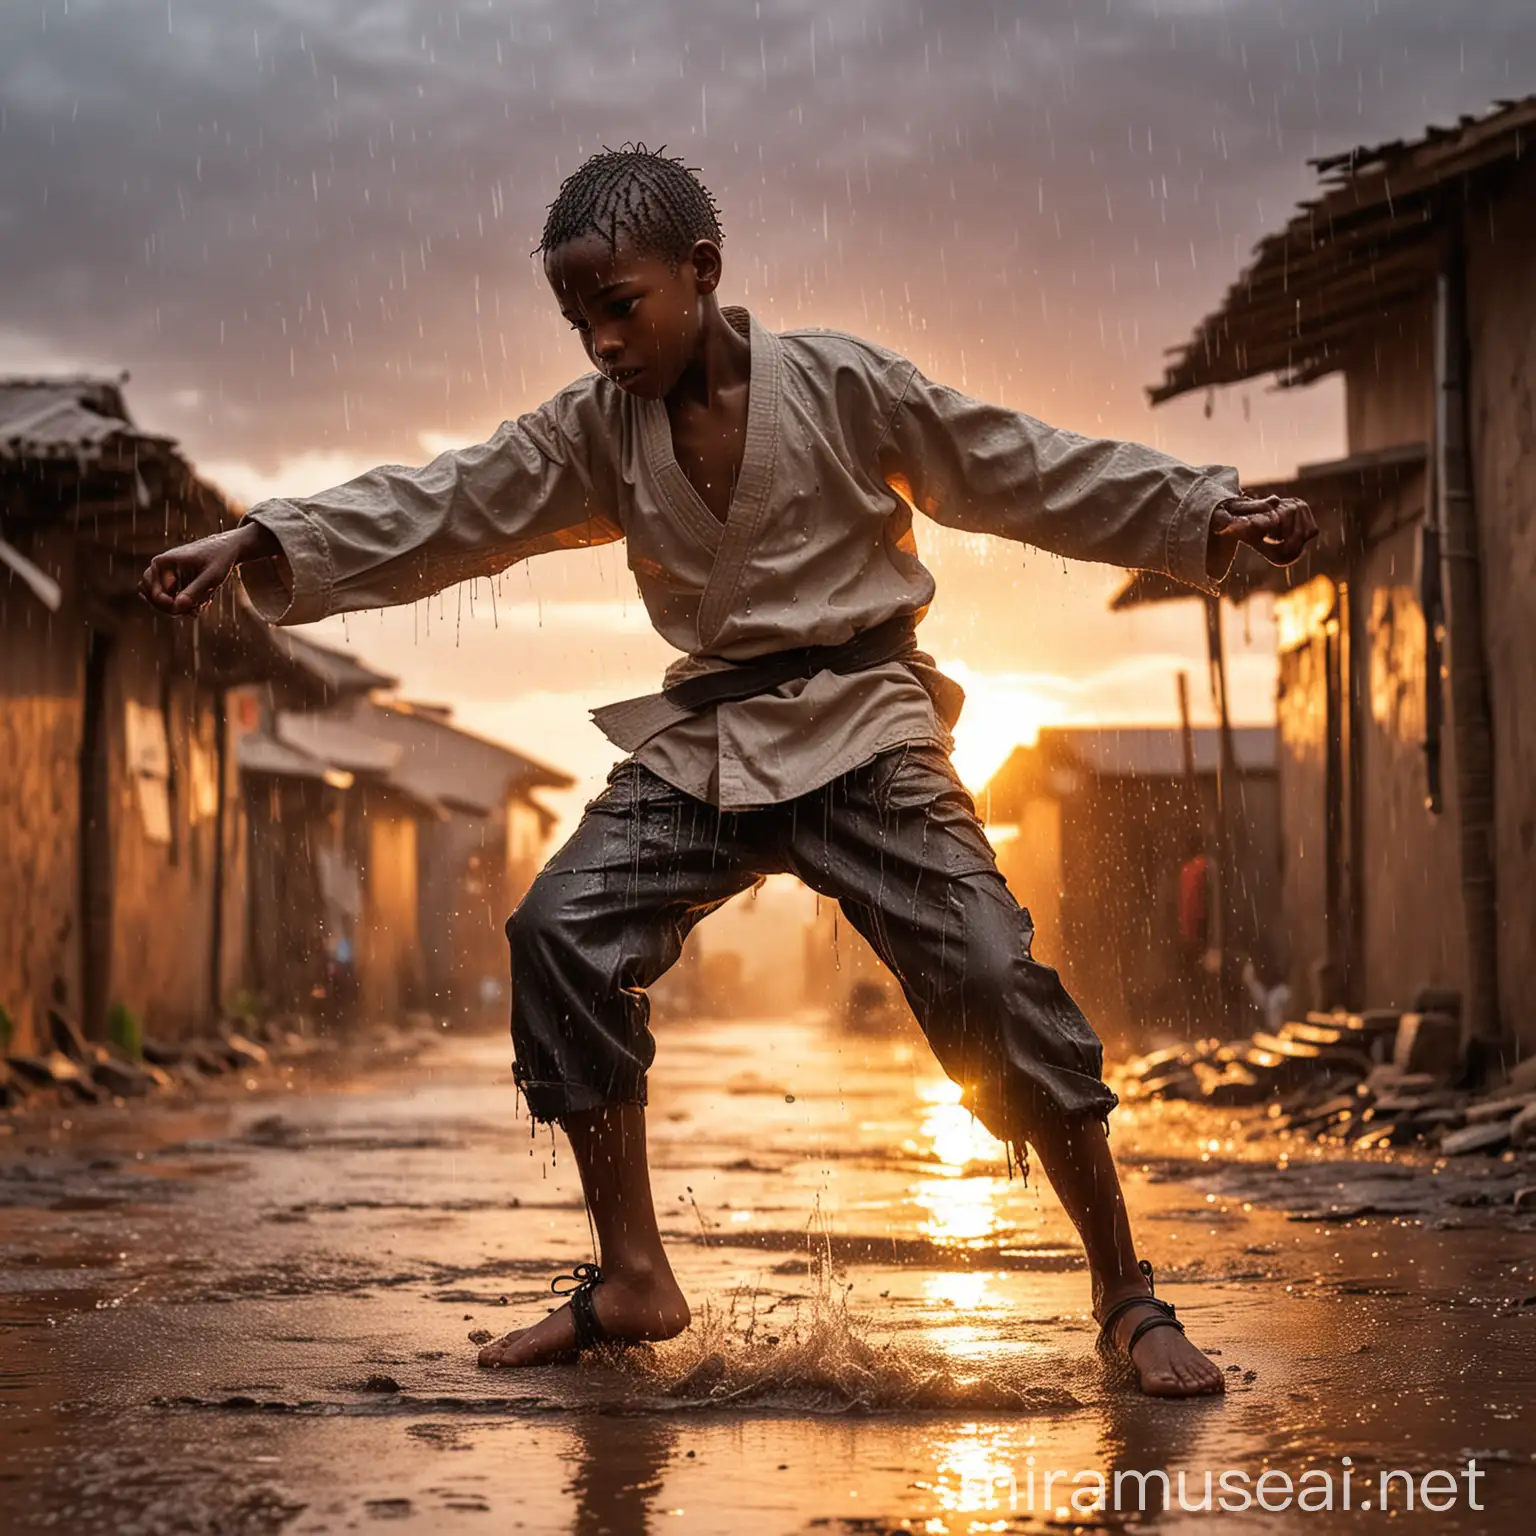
[254, 1316]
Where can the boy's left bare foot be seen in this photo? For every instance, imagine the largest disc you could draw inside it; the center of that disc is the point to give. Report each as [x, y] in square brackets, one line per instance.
[1165, 1362]
[630, 1306]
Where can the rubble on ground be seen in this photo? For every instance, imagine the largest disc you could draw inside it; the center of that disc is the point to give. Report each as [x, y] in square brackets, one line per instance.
[1376, 1079]
[72, 1070]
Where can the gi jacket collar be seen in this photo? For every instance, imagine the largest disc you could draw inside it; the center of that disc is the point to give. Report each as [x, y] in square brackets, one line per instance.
[733, 541]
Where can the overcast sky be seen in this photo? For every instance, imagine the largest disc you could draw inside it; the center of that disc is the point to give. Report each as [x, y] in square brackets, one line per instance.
[304, 227]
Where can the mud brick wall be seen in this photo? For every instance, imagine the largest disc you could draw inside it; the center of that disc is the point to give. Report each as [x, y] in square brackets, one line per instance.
[389, 968]
[42, 659]
[291, 823]
[1389, 383]
[237, 911]
[465, 901]
[1301, 711]
[1411, 931]
[1501, 297]
[161, 949]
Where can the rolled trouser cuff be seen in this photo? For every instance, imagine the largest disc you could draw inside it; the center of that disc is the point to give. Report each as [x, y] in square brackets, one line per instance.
[552, 1100]
[1012, 1109]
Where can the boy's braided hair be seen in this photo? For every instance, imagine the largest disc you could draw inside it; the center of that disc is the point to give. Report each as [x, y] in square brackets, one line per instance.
[659, 202]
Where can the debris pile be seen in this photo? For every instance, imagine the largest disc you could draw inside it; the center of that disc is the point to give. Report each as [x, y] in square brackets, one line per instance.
[1377, 1079]
[75, 1070]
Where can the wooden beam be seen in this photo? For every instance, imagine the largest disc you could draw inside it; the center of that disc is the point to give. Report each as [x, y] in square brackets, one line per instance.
[1244, 355]
[1375, 222]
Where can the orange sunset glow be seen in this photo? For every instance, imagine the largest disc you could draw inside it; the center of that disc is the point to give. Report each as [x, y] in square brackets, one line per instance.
[801, 1102]
[340, 277]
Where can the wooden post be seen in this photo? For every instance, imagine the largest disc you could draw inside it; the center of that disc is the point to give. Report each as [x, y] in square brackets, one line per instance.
[1224, 931]
[1186, 730]
[1471, 714]
[220, 858]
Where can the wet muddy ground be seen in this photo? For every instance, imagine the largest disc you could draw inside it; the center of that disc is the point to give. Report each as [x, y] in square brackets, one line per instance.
[253, 1315]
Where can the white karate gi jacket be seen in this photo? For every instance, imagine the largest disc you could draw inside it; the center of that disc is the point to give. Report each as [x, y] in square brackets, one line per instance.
[844, 438]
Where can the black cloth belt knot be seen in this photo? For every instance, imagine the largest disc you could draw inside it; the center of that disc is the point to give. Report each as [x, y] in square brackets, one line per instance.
[894, 639]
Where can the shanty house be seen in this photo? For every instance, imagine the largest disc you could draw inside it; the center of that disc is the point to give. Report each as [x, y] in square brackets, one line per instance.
[1096, 829]
[195, 810]
[480, 855]
[1407, 757]
[332, 849]
[389, 848]
[122, 854]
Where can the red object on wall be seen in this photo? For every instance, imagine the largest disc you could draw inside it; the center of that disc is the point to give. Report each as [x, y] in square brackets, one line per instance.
[1194, 913]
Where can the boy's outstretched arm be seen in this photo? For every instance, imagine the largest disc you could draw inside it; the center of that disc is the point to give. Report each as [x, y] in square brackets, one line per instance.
[394, 535]
[981, 467]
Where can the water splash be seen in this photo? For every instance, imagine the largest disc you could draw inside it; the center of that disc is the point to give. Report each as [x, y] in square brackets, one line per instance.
[823, 1360]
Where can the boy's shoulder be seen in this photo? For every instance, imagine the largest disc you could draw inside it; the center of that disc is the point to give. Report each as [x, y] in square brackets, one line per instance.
[588, 407]
[841, 347]
[834, 365]
[591, 390]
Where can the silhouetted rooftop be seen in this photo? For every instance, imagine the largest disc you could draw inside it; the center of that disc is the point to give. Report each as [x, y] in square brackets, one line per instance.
[1370, 242]
[1065, 757]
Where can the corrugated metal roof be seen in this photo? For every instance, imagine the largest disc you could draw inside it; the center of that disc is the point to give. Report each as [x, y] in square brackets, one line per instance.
[1369, 242]
[1065, 758]
[454, 765]
[419, 756]
[1156, 751]
[71, 455]
[44, 418]
[260, 753]
[338, 742]
[337, 672]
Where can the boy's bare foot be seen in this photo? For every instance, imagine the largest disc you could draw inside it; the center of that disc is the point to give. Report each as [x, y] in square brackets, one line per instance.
[1165, 1362]
[630, 1306]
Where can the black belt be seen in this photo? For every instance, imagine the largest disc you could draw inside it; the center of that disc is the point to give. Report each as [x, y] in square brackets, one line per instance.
[893, 640]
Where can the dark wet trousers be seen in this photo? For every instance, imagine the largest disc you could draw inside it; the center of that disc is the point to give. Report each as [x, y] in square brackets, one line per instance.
[896, 843]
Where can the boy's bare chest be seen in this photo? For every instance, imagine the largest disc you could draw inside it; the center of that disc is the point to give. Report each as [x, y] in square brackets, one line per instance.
[708, 447]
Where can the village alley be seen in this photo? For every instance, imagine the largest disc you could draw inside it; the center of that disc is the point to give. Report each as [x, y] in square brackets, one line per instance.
[257, 1311]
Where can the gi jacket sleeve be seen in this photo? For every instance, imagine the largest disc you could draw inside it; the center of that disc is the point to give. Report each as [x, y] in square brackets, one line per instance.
[980, 467]
[394, 534]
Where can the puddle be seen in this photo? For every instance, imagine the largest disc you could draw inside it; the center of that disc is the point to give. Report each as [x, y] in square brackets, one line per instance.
[890, 1334]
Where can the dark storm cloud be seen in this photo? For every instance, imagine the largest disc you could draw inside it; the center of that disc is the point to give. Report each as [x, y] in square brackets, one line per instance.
[304, 224]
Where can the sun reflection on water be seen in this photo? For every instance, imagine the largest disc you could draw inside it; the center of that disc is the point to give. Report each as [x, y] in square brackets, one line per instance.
[960, 1211]
[963, 1208]
[976, 1472]
[975, 1291]
[965, 1335]
[955, 1137]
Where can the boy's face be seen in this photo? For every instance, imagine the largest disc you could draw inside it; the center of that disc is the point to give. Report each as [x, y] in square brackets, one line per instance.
[638, 317]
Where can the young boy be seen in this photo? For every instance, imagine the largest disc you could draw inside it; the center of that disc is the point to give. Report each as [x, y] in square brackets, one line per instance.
[764, 484]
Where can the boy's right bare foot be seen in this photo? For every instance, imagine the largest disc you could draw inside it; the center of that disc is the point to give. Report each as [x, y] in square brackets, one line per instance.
[630, 1306]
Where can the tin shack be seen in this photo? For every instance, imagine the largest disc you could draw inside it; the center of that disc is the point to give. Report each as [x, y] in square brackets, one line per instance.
[122, 857]
[1407, 754]
[1108, 835]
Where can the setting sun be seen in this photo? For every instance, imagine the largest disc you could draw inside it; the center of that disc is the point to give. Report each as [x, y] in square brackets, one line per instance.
[1001, 712]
